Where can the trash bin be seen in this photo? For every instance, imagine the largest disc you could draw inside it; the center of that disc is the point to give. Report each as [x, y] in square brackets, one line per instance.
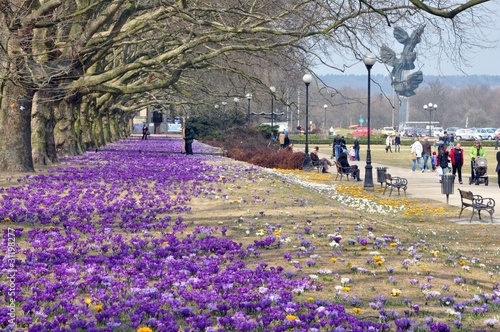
[447, 184]
[381, 175]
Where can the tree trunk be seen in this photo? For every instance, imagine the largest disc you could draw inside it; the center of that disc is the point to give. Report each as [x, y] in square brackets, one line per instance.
[15, 129]
[42, 136]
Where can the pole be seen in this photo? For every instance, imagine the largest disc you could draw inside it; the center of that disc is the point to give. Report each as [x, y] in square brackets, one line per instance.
[369, 61]
[307, 161]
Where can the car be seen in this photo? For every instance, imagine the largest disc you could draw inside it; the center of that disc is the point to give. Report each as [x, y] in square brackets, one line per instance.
[437, 131]
[362, 131]
[466, 135]
[451, 130]
[388, 131]
[497, 132]
[486, 133]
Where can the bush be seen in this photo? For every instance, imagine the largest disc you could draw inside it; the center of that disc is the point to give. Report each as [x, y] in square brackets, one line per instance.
[251, 145]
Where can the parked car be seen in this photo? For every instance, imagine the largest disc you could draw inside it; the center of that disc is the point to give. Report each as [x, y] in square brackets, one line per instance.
[497, 132]
[466, 135]
[409, 132]
[388, 131]
[437, 132]
[486, 133]
[362, 131]
[451, 130]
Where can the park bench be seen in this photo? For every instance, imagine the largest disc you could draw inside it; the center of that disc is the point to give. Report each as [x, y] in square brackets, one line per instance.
[395, 182]
[477, 203]
[318, 165]
[344, 171]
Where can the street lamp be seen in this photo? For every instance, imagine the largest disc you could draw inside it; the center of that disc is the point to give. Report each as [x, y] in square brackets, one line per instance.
[273, 90]
[249, 97]
[431, 107]
[369, 60]
[307, 78]
[236, 101]
[224, 106]
[325, 106]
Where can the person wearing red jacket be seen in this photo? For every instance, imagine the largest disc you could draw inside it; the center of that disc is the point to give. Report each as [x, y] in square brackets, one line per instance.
[457, 161]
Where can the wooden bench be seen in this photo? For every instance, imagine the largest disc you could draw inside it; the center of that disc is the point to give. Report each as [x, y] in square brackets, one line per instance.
[344, 171]
[477, 203]
[395, 182]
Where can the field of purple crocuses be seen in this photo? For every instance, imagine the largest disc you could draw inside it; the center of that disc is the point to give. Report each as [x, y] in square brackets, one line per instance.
[138, 237]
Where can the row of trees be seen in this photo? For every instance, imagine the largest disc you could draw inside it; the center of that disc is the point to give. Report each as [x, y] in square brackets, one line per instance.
[74, 73]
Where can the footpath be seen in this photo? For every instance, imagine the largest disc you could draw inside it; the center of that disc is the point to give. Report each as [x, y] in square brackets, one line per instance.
[426, 185]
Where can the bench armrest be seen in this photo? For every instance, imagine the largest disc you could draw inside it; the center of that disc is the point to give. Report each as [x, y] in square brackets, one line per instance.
[485, 201]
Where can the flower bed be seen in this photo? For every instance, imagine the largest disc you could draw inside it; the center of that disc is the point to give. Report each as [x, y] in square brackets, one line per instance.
[157, 241]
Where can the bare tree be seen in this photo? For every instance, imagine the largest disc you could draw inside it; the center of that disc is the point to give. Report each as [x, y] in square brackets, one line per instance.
[83, 68]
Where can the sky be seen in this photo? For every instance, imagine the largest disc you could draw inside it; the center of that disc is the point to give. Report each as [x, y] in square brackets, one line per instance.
[481, 63]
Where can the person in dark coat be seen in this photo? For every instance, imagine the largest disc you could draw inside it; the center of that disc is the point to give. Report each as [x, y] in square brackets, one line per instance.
[457, 161]
[145, 132]
[188, 139]
[344, 164]
[498, 167]
[443, 160]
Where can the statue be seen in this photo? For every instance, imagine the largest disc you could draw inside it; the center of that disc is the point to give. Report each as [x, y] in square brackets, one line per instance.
[404, 86]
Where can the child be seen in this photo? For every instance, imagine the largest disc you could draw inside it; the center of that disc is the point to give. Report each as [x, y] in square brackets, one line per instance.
[434, 160]
[352, 153]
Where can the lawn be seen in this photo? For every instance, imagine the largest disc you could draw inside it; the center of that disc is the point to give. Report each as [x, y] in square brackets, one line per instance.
[156, 241]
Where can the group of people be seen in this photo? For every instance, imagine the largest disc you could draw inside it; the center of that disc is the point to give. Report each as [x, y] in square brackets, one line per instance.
[444, 160]
[340, 146]
[389, 142]
[341, 160]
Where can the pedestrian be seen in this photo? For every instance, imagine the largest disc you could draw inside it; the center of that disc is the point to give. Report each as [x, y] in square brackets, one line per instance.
[475, 151]
[145, 132]
[315, 158]
[457, 161]
[343, 145]
[336, 147]
[352, 154]
[397, 143]
[188, 139]
[498, 167]
[443, 160]
[416, 152]
[388, 143]
[434, 160]
[281, 139]
[451, 140]
[426, 153]
[356, 148]
[496, 141]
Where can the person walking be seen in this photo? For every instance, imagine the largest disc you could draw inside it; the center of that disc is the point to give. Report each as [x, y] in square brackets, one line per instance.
[145, 132]
[416, 150]
[388, 143]
[281, 139]
[336, 147]
[457, 161]
[397, 143]
[498, 168]
[496, 141]
[426, 153]
[475, 151]
[356, 148]
[443, 157]
[188, 139]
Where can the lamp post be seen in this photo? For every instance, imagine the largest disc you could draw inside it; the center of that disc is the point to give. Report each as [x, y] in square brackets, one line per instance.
[236, 101]
[249, 97]
[307, 78]
[325, 106]
[369, 60]
[273, 90]
[431, 107]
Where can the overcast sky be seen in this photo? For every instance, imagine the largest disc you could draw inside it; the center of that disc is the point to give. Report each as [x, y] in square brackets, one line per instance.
[484, 62]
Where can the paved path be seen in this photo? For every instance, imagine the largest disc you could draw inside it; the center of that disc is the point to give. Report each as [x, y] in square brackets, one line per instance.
[426, 185]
